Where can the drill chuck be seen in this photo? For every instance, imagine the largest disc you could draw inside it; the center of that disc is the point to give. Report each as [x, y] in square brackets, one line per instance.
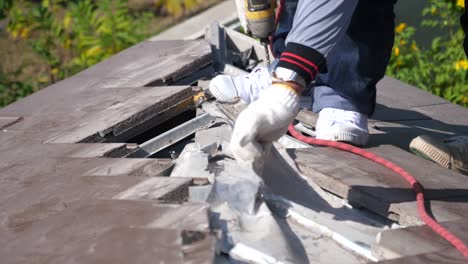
[261, 17]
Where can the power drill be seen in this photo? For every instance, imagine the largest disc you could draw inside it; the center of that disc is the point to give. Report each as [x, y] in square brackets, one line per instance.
[260, 16]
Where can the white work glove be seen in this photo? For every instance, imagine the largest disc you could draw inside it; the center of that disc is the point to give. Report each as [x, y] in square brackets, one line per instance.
[240, 4]
[263, 122]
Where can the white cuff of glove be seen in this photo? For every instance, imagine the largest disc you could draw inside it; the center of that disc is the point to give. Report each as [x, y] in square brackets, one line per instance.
[263, 122]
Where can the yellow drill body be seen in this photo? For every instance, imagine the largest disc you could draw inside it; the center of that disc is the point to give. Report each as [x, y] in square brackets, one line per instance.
[260, 16]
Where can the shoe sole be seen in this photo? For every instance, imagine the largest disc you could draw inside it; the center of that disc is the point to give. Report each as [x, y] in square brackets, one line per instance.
[216, 91]
[430, 149]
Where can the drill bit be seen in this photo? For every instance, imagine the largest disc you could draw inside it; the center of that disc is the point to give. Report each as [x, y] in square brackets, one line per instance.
[265, 44]
[267, 53]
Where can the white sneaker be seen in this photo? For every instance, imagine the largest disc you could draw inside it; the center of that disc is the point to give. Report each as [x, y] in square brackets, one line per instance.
[341, 125]
[247, 87]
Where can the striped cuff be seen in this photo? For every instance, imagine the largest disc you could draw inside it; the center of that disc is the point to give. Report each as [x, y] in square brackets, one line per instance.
[305, 61]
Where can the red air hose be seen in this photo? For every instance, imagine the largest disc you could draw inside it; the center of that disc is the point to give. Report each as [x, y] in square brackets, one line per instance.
[417, 187]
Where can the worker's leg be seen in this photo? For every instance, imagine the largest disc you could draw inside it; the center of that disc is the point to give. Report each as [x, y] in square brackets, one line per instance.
[284, 26]
[359, 60]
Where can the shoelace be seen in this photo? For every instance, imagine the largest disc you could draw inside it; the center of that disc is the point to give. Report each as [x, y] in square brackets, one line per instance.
[259, 78]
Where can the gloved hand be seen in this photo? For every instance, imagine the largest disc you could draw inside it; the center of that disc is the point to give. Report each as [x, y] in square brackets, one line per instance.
[263, 122]
[240, 4]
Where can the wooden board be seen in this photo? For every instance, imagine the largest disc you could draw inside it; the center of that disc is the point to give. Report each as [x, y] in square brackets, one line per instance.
[397, 94]
[34, 190]
[152, 63]
[451, 114]
[168, 189]
[46, 197]
[93, 231]
[123, 116]
[444, 210]
[416, 240]
[400, 133]
[8, 121]
[450, 256]
[131, 167]
[367, 184]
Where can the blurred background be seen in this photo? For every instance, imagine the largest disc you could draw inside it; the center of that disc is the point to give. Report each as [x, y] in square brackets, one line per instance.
[44, 41]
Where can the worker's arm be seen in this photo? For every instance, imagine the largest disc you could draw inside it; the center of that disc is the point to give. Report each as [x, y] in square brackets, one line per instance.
[318, 26]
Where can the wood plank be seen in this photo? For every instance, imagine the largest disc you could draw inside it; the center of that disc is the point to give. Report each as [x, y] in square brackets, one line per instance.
[117, 245]
[109, 150]
[48, 197]
[131, 167]
[367, 184]
[443, 210]
[168, 189]
[397, 94]
[89, 230]
[120, 117]
[451, 114]
[16, 148]
[416, 240]
[75, 96]
[388, 113]
[152, 63]
[450, 256]
[8, 121]
[395, 101]
[24, 175]
[400, 133]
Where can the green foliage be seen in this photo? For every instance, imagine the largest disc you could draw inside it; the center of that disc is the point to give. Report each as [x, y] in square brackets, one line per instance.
[78, 36]
[69, 36]
[442, 68]
[5, 5]
[11, 89]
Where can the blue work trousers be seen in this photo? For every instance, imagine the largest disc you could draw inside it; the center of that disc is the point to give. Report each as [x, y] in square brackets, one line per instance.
[358, 60]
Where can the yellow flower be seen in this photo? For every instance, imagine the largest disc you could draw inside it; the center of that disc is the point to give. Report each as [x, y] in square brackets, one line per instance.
[461, 3]
[93, 51]
[24, 32]
[54, 71]
[43, 79]
[68, 43]
[402, 42]
[400, 27]
[464, 99]
[461, 65]
[414, 47]
[397, 51]
[66, 21]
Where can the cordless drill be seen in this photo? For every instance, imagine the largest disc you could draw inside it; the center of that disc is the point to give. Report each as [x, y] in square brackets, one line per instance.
[260, 16]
